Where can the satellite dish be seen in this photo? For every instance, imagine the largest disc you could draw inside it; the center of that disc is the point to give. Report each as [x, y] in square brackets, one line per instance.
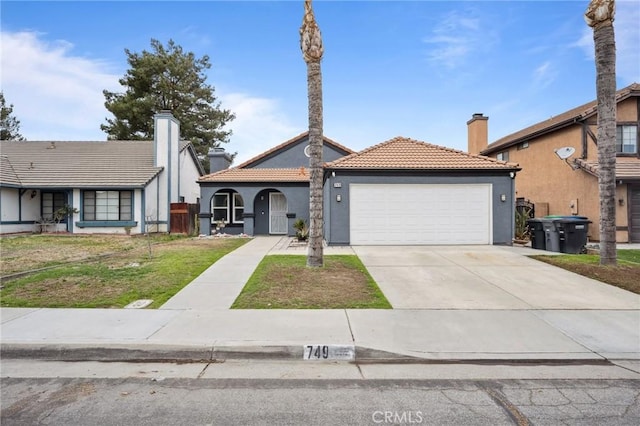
[565, 152]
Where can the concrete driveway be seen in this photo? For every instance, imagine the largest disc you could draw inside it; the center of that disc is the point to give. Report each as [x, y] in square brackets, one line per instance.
[483, 277]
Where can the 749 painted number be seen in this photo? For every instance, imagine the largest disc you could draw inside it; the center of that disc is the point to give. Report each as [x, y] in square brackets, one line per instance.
[316, 352]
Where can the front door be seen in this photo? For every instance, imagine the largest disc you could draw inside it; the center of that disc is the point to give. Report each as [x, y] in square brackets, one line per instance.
[277, 213]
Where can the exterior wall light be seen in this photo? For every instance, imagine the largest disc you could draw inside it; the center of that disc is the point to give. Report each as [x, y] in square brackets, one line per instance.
[338, 198]
[503, 197]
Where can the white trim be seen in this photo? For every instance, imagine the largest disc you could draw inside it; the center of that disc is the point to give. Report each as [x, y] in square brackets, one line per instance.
[234, 207]
[214, 208]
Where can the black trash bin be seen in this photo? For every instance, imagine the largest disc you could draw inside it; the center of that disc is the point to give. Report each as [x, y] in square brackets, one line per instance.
[537, 234]
[573, 234]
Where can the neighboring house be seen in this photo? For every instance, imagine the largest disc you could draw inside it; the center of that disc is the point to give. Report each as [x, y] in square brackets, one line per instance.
[398, 192]
[570, 187]
[116, 186]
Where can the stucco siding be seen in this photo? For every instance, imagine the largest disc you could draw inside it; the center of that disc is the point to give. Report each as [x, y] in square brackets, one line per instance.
[339, 231]
[189, 174]
[151, 206]
[13, 210]
[256, 205]
[622, 217]
[294, 156]
[545, 178]
[627, 110]
[9, 210]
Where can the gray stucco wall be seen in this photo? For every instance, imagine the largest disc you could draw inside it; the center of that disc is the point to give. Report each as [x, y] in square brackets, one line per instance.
[337, 213]
[294, 156]
[256, 207]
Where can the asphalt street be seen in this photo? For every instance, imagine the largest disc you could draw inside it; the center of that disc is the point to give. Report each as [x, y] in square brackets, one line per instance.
[254, 392]
[138, 401]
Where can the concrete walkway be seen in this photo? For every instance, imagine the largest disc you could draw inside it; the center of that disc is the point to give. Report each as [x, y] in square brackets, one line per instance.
[468, 304]
[219, 286]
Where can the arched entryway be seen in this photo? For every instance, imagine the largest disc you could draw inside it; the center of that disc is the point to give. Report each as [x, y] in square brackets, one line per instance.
[270, 207]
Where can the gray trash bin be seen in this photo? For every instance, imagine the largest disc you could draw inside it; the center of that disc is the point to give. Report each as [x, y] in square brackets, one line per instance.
[551, 234]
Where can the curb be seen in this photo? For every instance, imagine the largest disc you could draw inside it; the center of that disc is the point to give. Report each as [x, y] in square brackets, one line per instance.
[211, 354]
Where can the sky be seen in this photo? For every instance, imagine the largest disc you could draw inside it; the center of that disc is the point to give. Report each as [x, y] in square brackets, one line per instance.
[417, 69]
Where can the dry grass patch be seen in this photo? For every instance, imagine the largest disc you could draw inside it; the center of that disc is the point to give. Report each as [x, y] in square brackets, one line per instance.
[285, 282]
[119, 279]
[28, 252]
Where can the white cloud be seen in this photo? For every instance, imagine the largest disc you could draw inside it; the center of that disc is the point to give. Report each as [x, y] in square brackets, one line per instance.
[58, 96]
[627, 33]
[55, 94]
[259, 125]
[544, 75]
[454, 38]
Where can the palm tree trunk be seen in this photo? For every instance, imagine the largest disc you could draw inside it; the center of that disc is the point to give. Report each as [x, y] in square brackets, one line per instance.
[312, 50]
[314, 85]
[600, 16]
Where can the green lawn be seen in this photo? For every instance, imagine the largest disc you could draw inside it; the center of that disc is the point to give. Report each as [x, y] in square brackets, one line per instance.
[285, 282]
[625, 275]
[625, 257]
[117, 280]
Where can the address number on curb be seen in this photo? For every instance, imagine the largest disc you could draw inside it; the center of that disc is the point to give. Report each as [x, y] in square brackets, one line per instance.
[328, 352]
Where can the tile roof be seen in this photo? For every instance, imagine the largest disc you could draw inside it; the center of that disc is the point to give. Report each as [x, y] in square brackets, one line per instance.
[8, 175]
[237, 174]
[408, 154]
[626, 167]
[292, 141]
[78, 164]
[558, 121]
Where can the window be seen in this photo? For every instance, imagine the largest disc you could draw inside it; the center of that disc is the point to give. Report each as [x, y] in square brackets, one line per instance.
[107, 205]
[52, 202]
[627, 139]
[503, 156]
[238, 208]
[227, 206]
[221, 207]
[523, 145]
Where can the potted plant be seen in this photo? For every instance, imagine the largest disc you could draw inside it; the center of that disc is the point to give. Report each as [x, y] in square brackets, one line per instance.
[302, 230]
[62, 213]
[522, 234]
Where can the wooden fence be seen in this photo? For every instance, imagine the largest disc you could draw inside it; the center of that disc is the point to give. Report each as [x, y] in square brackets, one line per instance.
[184, 218]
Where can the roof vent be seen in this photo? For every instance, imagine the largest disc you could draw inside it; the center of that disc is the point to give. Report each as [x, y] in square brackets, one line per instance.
[52, 146]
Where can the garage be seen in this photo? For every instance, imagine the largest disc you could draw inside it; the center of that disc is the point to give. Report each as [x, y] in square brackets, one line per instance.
[408, 192]
[420, 214]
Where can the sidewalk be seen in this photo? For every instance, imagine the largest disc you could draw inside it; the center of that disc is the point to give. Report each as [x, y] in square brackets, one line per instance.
[196, 324]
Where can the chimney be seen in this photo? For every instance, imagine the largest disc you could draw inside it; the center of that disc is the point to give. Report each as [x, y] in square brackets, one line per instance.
[166, 154]
[218, 159]
[477, 134]
[166, 137]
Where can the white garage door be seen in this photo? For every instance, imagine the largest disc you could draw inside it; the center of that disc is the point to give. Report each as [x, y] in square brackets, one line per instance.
[388, 214]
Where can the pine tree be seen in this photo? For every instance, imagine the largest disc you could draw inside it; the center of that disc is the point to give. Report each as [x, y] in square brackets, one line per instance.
[167, 79]
[9, 125]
